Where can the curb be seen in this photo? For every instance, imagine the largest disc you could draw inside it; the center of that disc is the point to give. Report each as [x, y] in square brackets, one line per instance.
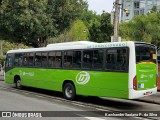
[148, 101]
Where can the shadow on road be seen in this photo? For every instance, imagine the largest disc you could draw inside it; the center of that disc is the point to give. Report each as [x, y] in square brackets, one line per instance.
[120, 104]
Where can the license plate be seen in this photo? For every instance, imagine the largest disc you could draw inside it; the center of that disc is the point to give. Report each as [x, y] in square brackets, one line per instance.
[147, 93]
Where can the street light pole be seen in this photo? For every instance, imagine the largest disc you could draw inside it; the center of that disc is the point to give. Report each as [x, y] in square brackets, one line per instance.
[116, 21]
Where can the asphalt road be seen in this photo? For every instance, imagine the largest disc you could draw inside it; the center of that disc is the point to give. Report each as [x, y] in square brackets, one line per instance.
[30, 99]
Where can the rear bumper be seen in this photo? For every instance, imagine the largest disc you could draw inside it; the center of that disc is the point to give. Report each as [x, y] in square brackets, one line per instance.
[133, 94]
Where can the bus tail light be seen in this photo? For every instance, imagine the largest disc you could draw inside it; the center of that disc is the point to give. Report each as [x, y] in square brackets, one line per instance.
[135, 83]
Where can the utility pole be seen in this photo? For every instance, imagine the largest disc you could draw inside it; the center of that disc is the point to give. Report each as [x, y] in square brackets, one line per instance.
[116, 21]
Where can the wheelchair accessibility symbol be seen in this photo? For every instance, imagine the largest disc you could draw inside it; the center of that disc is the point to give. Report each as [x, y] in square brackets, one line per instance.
[82, 77]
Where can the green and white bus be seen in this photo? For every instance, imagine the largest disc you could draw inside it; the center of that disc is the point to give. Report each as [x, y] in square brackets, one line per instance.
[120, 69]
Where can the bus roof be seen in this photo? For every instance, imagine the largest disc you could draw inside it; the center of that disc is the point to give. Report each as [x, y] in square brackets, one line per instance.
[74, 45]
[71, 43]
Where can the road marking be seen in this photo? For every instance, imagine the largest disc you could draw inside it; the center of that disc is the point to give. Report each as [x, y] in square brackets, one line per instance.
[78, 104]
[93, 118]
[39, 96]
[14, 90]
[90, 118]
[26, 93]
[101, 109]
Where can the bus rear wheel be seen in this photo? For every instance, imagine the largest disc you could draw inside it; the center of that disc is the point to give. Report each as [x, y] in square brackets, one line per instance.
[69, 91]
[18, 83]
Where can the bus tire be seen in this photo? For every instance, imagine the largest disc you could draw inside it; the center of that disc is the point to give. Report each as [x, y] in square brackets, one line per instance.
[69, 91]
[18, 83]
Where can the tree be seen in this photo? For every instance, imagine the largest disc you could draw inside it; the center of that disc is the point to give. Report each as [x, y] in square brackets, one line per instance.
[144, 28]
[65, 12]
[77, 32]
[101, 28]
[26, 21]
[34, 21]
[88, 17]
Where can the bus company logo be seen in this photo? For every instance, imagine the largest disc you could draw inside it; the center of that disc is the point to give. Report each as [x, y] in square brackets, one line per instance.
[25, 73]
[6, 114]
[82, 77]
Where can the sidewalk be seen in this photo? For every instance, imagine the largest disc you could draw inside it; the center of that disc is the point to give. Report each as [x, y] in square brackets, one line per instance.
[1, 72]
[1, 75]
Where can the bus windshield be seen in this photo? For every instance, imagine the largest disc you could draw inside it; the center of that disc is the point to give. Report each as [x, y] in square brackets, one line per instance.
[145, 53]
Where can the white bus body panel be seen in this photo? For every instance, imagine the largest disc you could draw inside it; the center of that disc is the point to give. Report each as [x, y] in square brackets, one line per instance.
[133, 94]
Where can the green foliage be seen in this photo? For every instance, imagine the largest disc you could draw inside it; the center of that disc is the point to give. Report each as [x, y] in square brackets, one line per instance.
[154, 9]
[2, 59]
[88, 17]
[6, 46]
[34, 21]
[142, 28]
[101, 29]
[88, 27]
[77, 32]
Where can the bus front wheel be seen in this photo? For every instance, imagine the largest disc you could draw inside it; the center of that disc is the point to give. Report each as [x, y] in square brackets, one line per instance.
[69, 91]
[18, 83]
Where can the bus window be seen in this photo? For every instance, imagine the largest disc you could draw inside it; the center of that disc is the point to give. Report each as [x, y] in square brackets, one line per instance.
[76, 59]
[51, 58]
[58, 60]
[87, 58]
[145, 53]
[68, 57]
[110, 59]
[30, 59]
[98, 59]
[55, 59]
[38, 59]
[18, 59]
[116, 59]
[26, 59]
[121, 59]
[9, 60]
[44, 59]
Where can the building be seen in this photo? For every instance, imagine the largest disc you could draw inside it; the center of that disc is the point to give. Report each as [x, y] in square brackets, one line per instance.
[137, 7]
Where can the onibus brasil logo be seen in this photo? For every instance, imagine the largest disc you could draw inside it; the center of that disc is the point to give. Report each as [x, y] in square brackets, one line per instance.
[82, 77]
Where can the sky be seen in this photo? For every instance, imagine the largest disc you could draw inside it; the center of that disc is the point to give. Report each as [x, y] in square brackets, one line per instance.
[99, 5]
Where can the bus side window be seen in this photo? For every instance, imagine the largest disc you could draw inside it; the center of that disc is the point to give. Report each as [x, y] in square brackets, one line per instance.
[58, 60]
[25, 59]
[76, 59]
[121, 59]
[44, 59]
[30, 59]
[116, 59]
[38, 59]
[9, 60]
[18, 59]
[87, 59]
[110, 61]
[68, 57]
[98, 59]
[51, 59]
